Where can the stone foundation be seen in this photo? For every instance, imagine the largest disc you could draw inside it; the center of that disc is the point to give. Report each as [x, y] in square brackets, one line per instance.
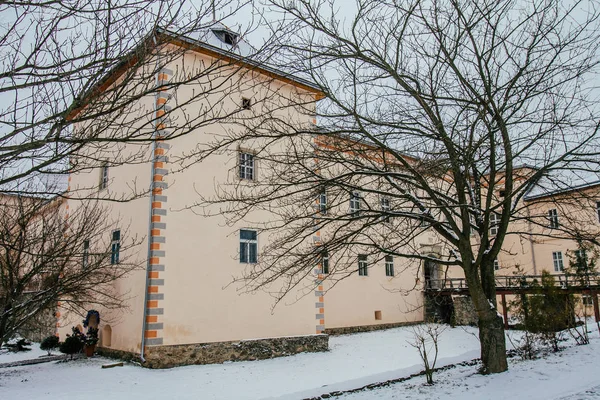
[367, 328]
[118, 354]
[464, 311]
[218, 352]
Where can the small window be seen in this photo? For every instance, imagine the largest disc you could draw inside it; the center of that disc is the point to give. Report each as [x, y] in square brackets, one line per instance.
[581, 260]
[362, 265]
[248, 246]
[389, 266]
[502, 193]
[115, 247]
[226, 36]
[323, 202]
[553, 218]
[355, 203]
[246, 166]
[104, 176]
[324, 262]
[587, 300]
[598, 210]
[494, 222]
[496, 265]
[246, 103]
[557, 259]
[86, 254]
[385, 209]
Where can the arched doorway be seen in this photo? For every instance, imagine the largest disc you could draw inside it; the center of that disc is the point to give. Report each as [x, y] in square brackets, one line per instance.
[106, 336]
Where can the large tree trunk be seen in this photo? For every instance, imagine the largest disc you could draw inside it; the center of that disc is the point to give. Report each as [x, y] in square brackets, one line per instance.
[493, 343]
[491, 326]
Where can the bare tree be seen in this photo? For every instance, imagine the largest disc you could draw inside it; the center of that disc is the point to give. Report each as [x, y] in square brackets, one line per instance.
[49, 255]
[73, 73]
[440, 118]
[426, 340]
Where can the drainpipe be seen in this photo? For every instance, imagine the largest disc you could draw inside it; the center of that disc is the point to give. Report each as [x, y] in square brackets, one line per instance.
[145, 309]
[531, 244]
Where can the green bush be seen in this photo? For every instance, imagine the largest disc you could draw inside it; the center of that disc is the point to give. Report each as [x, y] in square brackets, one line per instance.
[50, 343]
[73, 343]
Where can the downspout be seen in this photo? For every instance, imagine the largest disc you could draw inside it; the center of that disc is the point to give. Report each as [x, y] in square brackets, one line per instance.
[152, 164]
[531, 244]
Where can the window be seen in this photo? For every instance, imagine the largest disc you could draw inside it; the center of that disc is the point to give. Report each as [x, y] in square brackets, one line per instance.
[389, 266]
[502, 193]
[86, 253]
[115, 247]
[226, 36]
[587, 300]
[323, 201]
[581, 260]
[557, 258]
[496, 265]
[246, 103]
[362, 265]
[355, 203]
[385, 209]
[598, 210]
[553, 218]
[494, 222]
[324, 262]
[248, 246]
[104, 176]
[246, 166]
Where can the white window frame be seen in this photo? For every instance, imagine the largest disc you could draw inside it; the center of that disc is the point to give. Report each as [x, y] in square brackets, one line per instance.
[385, 209]
[494, 223]
[246, 165]
[324, 261]
[245, 254]
[553, 219]
[103, 176]
[558, 261]
[323, 201]
[115, 247]
[580, 253]
[496, 264]
[389, 266]
[363, 266]
[355, 201]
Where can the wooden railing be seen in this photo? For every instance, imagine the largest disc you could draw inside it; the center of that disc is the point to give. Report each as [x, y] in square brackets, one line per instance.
[591, 280]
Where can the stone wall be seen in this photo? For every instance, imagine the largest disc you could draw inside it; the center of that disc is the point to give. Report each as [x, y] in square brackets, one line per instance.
[367, 328]
[212, 353]
[464, 311]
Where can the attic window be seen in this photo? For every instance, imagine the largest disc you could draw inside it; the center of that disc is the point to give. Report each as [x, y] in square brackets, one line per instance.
[246, 103]
[226, 36]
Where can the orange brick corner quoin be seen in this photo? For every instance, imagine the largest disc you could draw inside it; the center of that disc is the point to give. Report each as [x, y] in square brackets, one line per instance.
[153, 311]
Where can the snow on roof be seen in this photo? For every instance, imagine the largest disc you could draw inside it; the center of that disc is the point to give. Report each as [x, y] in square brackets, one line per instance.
[572, 177]
[218, 35]
[219, 38]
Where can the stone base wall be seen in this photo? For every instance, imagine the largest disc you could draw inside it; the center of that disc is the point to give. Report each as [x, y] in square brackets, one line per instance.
[118, 354]
[464, 311]
[213, 353]
[367, 328]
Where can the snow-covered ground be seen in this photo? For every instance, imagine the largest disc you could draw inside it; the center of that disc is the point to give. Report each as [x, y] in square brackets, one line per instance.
[353, 361]
[35, 352]
[572, 374]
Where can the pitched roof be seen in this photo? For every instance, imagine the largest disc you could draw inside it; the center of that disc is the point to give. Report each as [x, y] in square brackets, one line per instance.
[204, 40]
